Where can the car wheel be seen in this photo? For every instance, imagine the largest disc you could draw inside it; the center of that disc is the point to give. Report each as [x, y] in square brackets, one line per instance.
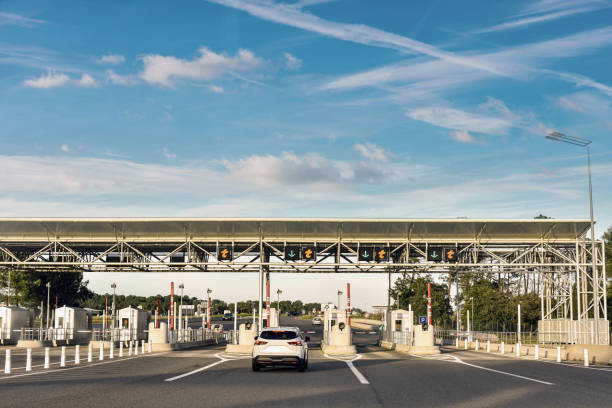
[254, 365]
[303, 365]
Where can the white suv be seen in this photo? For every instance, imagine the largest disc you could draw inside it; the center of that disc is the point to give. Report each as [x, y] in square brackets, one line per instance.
[280, 346]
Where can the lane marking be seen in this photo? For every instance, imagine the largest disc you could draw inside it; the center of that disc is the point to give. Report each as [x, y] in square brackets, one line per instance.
[350, 365]
[456, 359]
[577, 364]
[84, 365]
[197, 370]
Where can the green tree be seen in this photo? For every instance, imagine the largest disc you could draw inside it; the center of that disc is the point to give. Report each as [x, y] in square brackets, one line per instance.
[29, 287]
[411, 290]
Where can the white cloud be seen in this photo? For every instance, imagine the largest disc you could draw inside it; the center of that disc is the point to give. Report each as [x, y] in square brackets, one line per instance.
[112, 59]
[567, 103]
[167, 154]
[581, 80]
[216, 89]
[358, 33]
[423, 77]
[371, 151]
[49, 80]
[291, 62]
[462, 136]
[162, 70]
[64, 148]
[455, 119]
[116, 79]
[16, 19]
[87, 81]
[547, 10]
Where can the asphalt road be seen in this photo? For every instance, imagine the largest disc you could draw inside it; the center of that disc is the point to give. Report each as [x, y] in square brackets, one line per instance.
[208, 377]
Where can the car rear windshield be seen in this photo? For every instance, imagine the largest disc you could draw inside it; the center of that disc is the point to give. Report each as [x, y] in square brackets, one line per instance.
[278, 335]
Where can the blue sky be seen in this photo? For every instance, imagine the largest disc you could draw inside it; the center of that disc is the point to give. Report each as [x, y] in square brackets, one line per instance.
[308, 108]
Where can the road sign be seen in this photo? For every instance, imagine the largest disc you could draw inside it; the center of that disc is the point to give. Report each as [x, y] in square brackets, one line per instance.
[450, 254]
[292, 253]
[224, 253]
[366, 254]
[309, 254]
[382, 254]
[434, 254]
[422, 319]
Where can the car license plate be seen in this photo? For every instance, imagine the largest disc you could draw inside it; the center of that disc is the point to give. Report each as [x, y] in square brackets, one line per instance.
[276, 349]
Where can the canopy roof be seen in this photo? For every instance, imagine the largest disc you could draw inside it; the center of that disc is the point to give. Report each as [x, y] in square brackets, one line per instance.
[286, 229]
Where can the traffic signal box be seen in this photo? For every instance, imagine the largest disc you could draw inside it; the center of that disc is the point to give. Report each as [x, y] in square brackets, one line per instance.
[309, 254]
[450, 254]
[224, 253]
[381, 254]
[434, 254]
[292, 253]
[366, 254]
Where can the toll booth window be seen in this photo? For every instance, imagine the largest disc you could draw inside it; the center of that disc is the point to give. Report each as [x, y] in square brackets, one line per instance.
[278, 335]
[333, 322]
[398, 325]
[125, 323]
[60, 321]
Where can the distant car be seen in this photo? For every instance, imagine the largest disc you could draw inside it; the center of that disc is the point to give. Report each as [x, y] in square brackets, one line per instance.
[228, 316]
[280, 346]
[316, 321]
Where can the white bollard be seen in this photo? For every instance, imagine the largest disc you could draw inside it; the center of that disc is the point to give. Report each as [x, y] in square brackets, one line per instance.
[136, 347]
[476, 347]
[142, 348]
[537, 352]
[488, 346]
[465, 344]
[111, 353]
[457, 342]
[101, 357]
[29, 359]
[130, 348]
[518, 349]
[63, 357]
[90, 353]
[77, 355]
[586, 357]
[150, 346]
[558, 354]
[120, 349]
[502, 348]
[46, 365]
[7, 362]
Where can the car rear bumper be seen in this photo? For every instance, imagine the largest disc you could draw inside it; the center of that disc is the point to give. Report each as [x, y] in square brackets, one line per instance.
[274, 360]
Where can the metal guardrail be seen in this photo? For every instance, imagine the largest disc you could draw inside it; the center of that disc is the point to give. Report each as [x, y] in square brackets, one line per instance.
[448, 337]
[190, 335]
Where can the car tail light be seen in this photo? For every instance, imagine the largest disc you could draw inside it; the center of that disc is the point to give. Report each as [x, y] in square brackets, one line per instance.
[295, 343]
[260, 342]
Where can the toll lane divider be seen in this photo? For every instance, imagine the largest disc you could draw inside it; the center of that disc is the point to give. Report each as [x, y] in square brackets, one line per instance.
[8, 369]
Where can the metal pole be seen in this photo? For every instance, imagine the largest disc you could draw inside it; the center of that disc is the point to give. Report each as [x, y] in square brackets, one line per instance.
[348, 302]
[171, 305]
[48, 298]
[518, 324]
[457, 303]
[593, 253]
[268, 299]
[260, 296]
[429, 303]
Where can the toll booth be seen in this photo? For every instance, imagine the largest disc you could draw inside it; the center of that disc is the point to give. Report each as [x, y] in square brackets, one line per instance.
[398, 326]
[132, 323]
[72, 324]
[337, 336]
[12, 320]
[333, 317]
[274, 318]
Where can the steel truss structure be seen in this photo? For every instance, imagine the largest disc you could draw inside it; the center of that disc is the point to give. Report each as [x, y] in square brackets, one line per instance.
[555, 252]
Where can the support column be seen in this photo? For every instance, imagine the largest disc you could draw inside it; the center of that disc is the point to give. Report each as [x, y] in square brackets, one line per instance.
[268, 299]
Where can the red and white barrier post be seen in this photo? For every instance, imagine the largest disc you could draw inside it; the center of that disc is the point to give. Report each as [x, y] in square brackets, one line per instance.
[429, 303]
[268, 299]
[171, 305]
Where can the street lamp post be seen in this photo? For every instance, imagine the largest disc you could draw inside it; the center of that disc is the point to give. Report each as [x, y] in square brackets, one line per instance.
[48, 285]
[472, 300]
[114, 287]
[339, 294]
[278, 293]
[577, 141]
